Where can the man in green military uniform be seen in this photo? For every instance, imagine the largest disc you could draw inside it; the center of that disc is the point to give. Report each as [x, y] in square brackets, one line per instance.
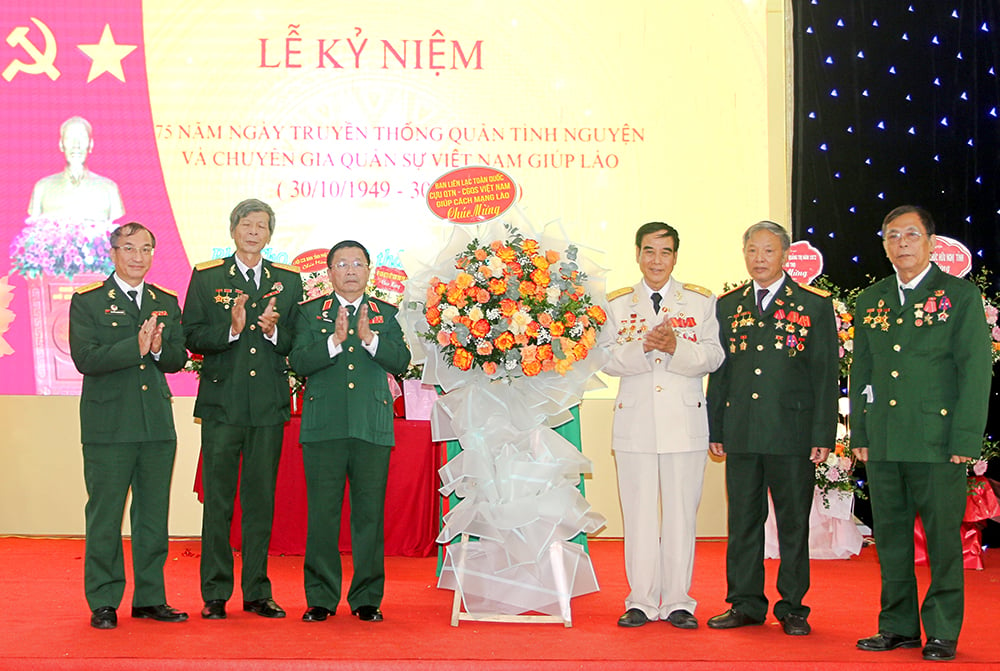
[124, 334]
[231, 317]
[345, 344]
[772, 409]
[920, 384]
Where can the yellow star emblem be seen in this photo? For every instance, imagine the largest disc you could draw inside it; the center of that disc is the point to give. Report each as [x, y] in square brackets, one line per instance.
[106, 56]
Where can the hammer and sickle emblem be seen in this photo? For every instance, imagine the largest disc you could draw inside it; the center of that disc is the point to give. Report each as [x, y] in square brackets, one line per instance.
[44, 61]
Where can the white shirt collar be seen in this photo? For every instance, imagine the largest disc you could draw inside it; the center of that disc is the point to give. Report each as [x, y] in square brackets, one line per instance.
[915, 281]
[772, 289]
[126, 287]
[256, 269]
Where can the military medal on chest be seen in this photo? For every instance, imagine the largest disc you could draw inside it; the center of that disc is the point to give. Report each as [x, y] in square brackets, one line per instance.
[631, 328]
[877, 317]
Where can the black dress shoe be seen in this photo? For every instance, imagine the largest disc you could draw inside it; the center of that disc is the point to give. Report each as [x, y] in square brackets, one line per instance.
[368, 613]
[161, 613]
[633, 617]
[316, 614]
[682, 619]
[885, 640]
[795, 625]
[264, 607]
[215, 609]
[940, 649]
[731, 619]
[104, 617]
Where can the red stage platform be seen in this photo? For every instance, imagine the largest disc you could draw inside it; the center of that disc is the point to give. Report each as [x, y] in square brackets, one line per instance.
[47, 624]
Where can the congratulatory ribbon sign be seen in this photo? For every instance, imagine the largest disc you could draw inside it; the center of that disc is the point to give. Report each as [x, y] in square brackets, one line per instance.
[472, 195]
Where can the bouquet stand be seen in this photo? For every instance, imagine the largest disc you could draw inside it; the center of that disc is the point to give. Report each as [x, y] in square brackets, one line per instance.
[508, 331]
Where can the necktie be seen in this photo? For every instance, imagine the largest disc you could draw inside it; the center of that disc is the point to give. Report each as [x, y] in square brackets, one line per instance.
[656, 302]
[132, 293]
[761, 295]
[250, 281]
[350, 311]
[906, 294]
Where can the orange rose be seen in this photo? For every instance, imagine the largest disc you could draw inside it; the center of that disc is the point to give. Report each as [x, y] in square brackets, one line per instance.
[521, 339]
[498, 286]
[540, 262]
[580, 351]
[589, 337]
[506, 254]
[508, 307]
[551, 256]
[481, 254]
[596, 312]
[485, 271]
[453, 339]
[463, 359]
[485, 348]
[531, 368]
[480, 328]
[564, 366]
[569, 318]
[527, 288]
[529, 353]
[464, 280]
[515, 268]
[532, 329]
[433, 316]
[504, 341]
[444, 338]
[495, 245]
[530, 246]
[544, 352]
[489, 368]
[544, 319]
[557, 328]
[482, 295]
[540, 277]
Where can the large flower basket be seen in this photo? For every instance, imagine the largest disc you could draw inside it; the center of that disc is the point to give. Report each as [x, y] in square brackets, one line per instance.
[514, 350]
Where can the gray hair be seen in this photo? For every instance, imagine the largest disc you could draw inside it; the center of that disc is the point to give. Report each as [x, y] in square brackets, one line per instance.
[248, 206]
[770, 227]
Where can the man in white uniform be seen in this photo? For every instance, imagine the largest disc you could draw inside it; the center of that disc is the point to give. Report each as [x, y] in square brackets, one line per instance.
[667, 340]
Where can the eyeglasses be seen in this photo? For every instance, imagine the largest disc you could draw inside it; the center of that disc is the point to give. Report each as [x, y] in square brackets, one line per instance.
[910, 235]
[344, 265]
[145, 250]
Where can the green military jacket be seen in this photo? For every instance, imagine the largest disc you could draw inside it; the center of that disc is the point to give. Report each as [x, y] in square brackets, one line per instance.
[347, 396]
[776, 391]
[920, 379]
[244, 382]
[125, 396]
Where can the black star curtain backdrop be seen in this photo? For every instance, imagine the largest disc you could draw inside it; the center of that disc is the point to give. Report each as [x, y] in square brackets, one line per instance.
[896, 103]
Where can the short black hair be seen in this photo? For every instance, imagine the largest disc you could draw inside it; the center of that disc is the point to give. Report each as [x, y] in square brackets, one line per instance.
[128, 229]
[345, 244]
[655, 227]
[925, 217]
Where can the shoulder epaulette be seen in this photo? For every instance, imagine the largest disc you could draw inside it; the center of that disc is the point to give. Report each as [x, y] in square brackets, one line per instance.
[698, 289]
[313, 298]
[89, 287]
[618, 293]
[726, 293]
[285, 266]
[163, 289]
[205, 265]
[815, 290]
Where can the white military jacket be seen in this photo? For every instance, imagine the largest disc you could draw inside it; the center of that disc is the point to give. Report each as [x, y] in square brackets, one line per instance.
[660, 406]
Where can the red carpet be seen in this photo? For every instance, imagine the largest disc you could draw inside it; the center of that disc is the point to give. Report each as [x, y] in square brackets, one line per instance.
[46, 623]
